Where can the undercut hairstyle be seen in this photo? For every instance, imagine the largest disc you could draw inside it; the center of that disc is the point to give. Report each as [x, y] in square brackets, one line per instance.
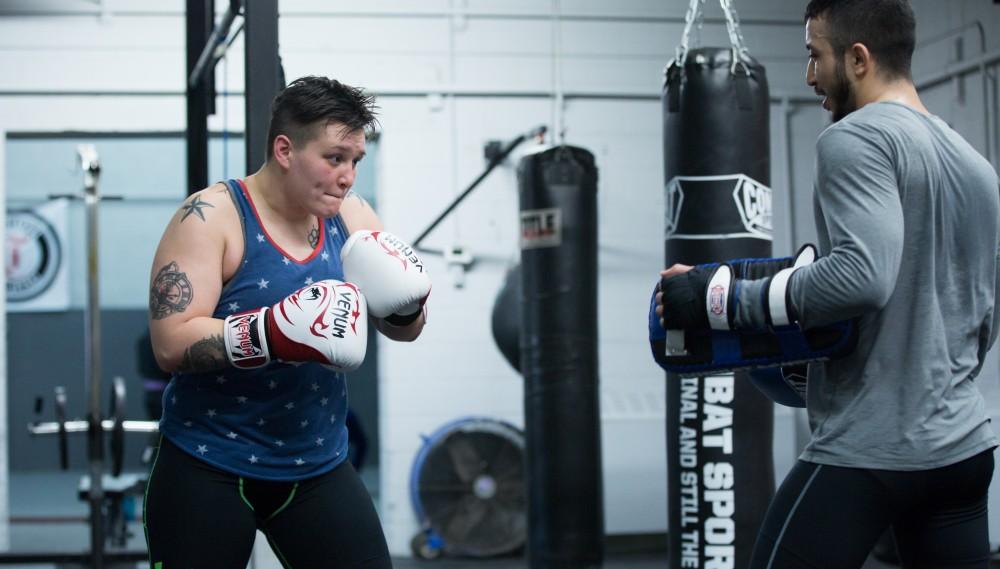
[886, 27]
[310, 103]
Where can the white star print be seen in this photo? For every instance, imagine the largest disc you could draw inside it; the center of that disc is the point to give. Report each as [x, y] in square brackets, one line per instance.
[253, 459]
[260, 238]
[260, 422]
[334, 230]
[272, 384]
[234, 306]
[324, 401]
[174, 400]
[187, 423]
[202, 449]
[220, 379]
[299, 462]
[319, 441]
[309, 280]
[279, 443]
[314, 386]
[231, 435]
[241, 399]
[325, 256]
[210, 413]
[304, 423]
[262, 283]
[333, 418]
[286, 261]
[290, 405]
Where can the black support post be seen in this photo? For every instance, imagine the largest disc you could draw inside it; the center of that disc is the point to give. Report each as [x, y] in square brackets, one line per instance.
[201, 97]
[262, 75]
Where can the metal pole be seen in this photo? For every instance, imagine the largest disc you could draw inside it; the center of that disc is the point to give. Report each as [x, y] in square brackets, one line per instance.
[260, 24]
[951, 71]
[92, 353]
[208, 56]
[200, 98]
[496, 160]
[786, 149]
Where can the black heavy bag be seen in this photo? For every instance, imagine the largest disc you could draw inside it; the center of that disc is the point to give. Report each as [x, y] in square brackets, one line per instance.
[506, 319]
[558, 202]
[719, 428]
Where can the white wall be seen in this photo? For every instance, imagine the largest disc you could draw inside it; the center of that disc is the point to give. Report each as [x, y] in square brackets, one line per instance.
[453, 74]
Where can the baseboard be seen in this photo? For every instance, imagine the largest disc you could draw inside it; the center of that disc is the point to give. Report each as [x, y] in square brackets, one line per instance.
[635, 543]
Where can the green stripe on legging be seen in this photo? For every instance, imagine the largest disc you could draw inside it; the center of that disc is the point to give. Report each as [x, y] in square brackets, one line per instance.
[145, 500]
[244, 497]
[285, 505]
[291, 495]
[274, 548]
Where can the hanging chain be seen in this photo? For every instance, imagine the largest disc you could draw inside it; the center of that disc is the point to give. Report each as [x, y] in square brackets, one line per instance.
[735, 35]
[694, 11]
[699, 26]
[695, 18]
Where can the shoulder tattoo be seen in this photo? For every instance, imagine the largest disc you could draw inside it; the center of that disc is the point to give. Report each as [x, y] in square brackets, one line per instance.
[170, 292]
[195, 206]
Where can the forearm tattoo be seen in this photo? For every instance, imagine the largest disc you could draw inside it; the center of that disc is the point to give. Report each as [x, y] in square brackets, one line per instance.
[195, 206]
[170, 292]
[313, 236]
[207, 354]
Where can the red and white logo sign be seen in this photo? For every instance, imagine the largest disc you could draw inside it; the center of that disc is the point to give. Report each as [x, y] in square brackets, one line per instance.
[33, 255]
[717, 300]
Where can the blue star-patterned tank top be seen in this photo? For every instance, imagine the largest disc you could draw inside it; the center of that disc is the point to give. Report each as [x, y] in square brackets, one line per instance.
[282, 421]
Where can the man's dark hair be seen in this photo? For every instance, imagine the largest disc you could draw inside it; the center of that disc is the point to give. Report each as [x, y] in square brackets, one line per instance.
[886, 27]
[311, 102]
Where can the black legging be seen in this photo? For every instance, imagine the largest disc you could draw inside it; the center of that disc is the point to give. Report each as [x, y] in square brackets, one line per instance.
[830, 517]
[197, 516]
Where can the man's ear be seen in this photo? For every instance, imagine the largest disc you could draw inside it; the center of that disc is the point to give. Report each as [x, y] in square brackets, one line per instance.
[859, 60]
[282, 149]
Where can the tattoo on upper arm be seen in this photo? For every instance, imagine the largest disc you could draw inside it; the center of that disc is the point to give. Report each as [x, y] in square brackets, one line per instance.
[313, 236]
[195, 206]
[170, 293]
[207, 354]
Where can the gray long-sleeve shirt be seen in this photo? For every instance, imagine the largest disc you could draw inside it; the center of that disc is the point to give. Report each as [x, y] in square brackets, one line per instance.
[908, 218]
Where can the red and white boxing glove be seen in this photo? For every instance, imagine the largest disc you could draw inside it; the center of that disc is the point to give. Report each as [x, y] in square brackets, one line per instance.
[324, 322]
[390, 274]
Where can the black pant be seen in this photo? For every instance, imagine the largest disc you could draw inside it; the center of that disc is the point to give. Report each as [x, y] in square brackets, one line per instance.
[197, 516]
[830, 517]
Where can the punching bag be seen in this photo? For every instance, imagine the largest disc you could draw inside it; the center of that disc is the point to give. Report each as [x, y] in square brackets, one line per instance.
[558, 349]
[505, 321]
[718, 207]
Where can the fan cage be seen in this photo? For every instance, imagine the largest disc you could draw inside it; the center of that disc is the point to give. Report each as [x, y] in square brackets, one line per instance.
[505, 434]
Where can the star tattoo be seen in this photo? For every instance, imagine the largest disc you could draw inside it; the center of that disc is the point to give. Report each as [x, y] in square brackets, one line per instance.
[195, 206]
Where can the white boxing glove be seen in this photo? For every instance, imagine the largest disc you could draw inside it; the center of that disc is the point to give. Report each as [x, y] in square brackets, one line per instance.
[391, 276]
[324, 322]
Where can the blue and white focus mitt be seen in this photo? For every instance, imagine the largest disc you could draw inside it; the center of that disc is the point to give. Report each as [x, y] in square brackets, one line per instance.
[701, 338]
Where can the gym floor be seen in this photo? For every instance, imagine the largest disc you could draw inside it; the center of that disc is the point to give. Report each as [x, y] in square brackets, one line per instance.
[47, 515]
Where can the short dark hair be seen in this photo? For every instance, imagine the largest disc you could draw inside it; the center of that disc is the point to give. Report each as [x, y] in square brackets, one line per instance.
[886, 27]
[310, 102]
